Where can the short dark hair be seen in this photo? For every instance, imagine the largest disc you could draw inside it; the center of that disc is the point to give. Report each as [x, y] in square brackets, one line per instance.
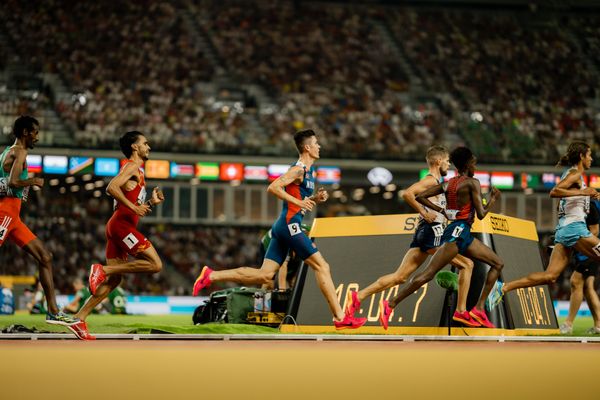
[460, 157]
[573, 154]
[127, 140]
[300, 138]
[22, 124]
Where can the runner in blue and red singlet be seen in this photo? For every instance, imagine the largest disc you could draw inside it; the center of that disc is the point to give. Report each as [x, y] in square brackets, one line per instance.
[295, 188]
[463, 201]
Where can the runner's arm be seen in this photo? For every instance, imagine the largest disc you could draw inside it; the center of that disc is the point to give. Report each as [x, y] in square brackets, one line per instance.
[114, 189]
[423, 197]
[277, 188]
[568, 186]
[411, 193]
[480, 209]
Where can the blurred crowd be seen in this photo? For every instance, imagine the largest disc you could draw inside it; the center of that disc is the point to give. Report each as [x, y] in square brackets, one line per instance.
[514, 90]
[515, 87]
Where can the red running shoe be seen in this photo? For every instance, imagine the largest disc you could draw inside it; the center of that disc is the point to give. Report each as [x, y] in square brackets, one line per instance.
[480, 317]
[80, 330]
[349, 322]
[97, 276]
[354, 304]
[384, 313]
[203, 280]
[465, 318]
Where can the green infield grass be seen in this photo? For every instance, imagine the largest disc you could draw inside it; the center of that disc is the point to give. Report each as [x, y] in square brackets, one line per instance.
[181, 324]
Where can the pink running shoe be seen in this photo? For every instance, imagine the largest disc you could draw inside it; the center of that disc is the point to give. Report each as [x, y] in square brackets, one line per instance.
[203, 280]
[97, 277]
[349, 322]
[384, 313]
[80, 330]
[465, 318]
[480, 317]
[354, 304]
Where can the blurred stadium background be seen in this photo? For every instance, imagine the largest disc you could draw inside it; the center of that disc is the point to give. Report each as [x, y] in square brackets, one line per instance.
[219, 87]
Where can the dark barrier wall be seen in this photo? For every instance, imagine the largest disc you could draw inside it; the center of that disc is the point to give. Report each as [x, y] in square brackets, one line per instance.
[355, 262]
[530, 307]
[361, 249]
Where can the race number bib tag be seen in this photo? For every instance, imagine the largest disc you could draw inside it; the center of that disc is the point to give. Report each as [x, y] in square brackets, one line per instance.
[438, 230]
[3, 187]
[130, 240]
[2, 232]
[451, 214]
[457, 231]
[595, 249]
[294, 228]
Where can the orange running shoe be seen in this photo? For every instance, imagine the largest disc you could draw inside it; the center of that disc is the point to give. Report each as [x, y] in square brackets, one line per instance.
[203, 280]
[481, 317]
[384, 313]
[349, 322]
[80, 330]
[465, 318]
[97, 276]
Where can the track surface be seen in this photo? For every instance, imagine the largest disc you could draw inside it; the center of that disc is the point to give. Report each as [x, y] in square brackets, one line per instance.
[111, 369]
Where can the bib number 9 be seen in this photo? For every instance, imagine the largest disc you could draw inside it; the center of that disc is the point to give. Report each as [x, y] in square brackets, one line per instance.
[294, 228]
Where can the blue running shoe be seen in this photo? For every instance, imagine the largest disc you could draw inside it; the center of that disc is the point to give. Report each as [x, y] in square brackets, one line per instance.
[495, 296]
[61, 318]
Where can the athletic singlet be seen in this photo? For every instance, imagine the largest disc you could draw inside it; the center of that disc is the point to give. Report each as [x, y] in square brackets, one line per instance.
[466, 212]
[291, 212]
[137, 196]
[574, 208]
[440, 201]
[20, 193]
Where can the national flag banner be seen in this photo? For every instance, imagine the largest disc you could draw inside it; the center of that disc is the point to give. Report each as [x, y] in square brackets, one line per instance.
[182, 171]
[157, 169]
[106, 166]
[55, 164]
[81, 165]
[529, 181]
[255, 173]
[329, 175]
[483, 177]
[549, 180]
[503, 180]
[207, 171]
[34, 163]
[231, 172]
[276, 170]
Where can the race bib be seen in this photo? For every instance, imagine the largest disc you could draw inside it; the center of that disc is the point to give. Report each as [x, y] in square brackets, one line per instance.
[130, 241]
[595, 249]
[3, 187]
[457, 231]
[438, 230]
[3, 232]
[294, 228]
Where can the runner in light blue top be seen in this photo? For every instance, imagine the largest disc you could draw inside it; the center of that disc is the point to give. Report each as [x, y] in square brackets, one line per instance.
[571, 232]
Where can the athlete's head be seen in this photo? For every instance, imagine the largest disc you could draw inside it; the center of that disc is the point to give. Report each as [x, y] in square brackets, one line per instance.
[306, 142]
[134, 141]
[577, 151]
[438, 157]
[27, 129]
[464, 160]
